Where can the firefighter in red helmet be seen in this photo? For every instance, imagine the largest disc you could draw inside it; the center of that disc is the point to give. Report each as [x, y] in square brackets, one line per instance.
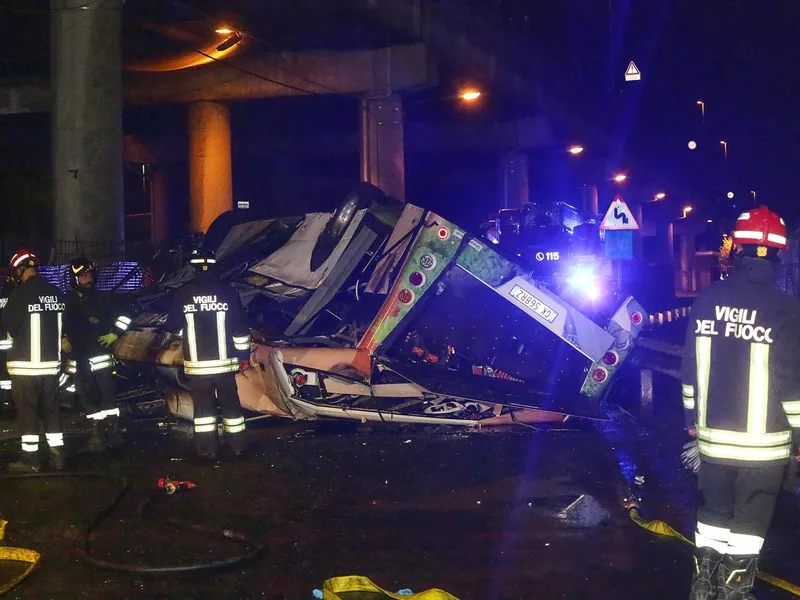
[741, 394]
[33, 317]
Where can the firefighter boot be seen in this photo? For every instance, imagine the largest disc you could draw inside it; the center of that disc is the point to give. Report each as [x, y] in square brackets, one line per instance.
[28, 463]
[113, 433]
[206, 445]
[97, 441]
[236, 444]
[58, 458]
[737, 574]
[704, 580]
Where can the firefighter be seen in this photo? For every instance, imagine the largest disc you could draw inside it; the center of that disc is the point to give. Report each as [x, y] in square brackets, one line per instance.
[742, 401]
[94, 322]
[5, 346]
[33, 318]
[209, 316]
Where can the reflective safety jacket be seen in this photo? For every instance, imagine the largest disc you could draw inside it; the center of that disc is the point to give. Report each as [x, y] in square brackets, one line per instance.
[209, 315]
[34, 319]
[741, 368]
[5, 341]
[89, 315]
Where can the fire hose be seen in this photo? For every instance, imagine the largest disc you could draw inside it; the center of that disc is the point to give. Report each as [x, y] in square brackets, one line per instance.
[165, 487]
[661, 528]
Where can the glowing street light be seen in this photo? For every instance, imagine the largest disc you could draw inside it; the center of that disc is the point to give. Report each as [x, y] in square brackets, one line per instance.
[725, 148]
[224, 31]
[687, 210]
[470, 95]
[620, 177]
[692, 145]
[575, 150]
[660, 196]
[731, 195]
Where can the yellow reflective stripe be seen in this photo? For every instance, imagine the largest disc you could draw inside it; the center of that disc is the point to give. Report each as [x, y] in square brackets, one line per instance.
[191, 337]
[791, 408]
[234, 428]
[687, 390]
[744, 454]
[205, 420]
[5, 384]
[30, 439]
[58, 317]
[211, 363]
[241, 339]
[794, 420]
[241, 347]
[222, 339]
[205, 428]
[36, 338]
[688, 403]
[236, 421]
[703, 356]
[722, 436]
[100, 358]
[758, 389]
[211, 370]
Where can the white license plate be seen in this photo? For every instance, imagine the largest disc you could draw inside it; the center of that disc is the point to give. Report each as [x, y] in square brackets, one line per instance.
[536, 305]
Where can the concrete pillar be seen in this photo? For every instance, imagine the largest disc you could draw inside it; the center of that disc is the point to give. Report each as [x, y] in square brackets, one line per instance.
[86, 85]
[514, 173]
[210, 178]
[382, 151]
[687, 262]
[159, 207]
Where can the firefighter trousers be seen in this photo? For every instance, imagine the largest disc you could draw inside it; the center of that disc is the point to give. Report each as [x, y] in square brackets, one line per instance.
[97, 391]
[202, 389]
[36, 399]
[736, 506]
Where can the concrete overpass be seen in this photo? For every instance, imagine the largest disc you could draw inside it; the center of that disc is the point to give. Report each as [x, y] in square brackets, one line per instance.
[87, 92]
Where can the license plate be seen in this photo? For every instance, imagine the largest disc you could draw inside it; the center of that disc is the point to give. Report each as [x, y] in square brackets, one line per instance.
[536, 305]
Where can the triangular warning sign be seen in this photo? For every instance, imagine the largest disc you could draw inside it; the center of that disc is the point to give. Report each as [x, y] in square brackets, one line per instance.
[619, 217]
[632, 73]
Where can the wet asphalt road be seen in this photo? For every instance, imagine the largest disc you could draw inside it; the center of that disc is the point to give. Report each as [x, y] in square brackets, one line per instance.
[473, 513]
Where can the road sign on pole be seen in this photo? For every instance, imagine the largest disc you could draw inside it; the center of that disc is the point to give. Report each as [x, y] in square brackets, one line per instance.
[619, 244]
[619, 217]
[632, 73]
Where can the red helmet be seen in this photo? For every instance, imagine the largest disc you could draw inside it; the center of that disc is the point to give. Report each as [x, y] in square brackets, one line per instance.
[760, 227]
[24, 258]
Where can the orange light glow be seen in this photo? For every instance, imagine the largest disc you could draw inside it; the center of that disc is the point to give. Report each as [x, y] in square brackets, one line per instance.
[470, 95]
[224, 31]
[660, 196]
[576, 149]
[620, 177]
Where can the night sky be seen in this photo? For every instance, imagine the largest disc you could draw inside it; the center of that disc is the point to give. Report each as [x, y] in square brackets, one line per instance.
[739, 56]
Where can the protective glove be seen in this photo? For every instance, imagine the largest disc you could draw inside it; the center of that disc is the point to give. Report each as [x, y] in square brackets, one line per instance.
[690, 457]
[107, 339]
[66, 345]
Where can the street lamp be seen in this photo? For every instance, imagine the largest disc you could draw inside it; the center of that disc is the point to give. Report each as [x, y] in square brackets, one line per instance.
[702, 110]
[754, 195]
[470, 95]
[660, 196]
[575, 150]
[731, 195]
[620, 177]
[692, 145]
[224, 31]
[686, 210]
[725, 148]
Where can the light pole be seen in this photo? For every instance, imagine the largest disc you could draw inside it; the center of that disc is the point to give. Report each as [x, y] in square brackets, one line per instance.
[686, 211]
[725, 148]
[754, 196]
[702, 110]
